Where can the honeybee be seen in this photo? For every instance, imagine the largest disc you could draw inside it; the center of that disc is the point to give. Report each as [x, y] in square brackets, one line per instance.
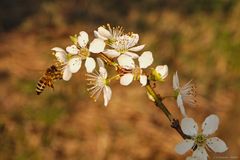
[54, 72]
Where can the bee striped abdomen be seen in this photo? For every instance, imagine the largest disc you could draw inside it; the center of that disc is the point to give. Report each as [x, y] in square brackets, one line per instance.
[41, 85]
[53, 73]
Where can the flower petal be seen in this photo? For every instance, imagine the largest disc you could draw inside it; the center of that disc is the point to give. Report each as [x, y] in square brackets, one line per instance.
[90, 64]
[217, 145]
[100, 62]
[61, 56]
[103, 72]
[143, 80]
[107, 94]
[132, 55]
[184, 146]
[97, 35]
[126, 62]
[200, 153]
[210, 124]
[162, 70]
[180, 105]
[75, 64]
[111, 53]
[67, 74]
[175, 81]
[72, 49]
[146, 59]
[126, 79]
[97, 46]
[193, 158]
[104, 32]
[83, 39]
[58, 49]
[134, 38]
[137, 48]
[189, 126]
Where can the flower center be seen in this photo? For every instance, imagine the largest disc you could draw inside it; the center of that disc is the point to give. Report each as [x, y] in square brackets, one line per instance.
[137, 71]
[100, 81]
[84, 53]
[200, 140]
[110, 41]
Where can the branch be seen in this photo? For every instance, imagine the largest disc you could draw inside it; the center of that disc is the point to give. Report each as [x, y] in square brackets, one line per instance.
[158, 102]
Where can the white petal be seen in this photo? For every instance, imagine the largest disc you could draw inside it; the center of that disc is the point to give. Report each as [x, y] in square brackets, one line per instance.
[97, 46]
[74, 64]
[83, 39]
[210, 124]
[132, 55]
[58, 49]
[97, 35]
[90, 64]
[200, 153]
[143, 80]
[192, 158]
[126, 79]
[111, 53]
[217, 145]
[175, 81]
[146, 59]
[104, 32]
[137, 48]
[134, 39]
[126, 62]
[107, 94]
[162, 70]
[180, 105]
[100, 62]
[184, 146]
[61, 56]
[103, 72]
[189, 126]
[67, 74]
[72, 49]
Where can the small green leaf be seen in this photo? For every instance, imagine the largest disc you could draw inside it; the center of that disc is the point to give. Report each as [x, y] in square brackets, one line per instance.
[74, 39]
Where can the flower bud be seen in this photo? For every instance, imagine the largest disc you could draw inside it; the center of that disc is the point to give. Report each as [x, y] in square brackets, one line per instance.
[160, 72]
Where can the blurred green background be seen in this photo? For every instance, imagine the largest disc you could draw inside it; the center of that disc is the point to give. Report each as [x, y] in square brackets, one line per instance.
[200, 39]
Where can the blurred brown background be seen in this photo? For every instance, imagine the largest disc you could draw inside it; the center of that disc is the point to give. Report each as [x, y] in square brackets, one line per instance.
[200, 39]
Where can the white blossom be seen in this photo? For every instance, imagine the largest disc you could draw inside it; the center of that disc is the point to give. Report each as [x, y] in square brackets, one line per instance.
[200, 141]
[124, 45]
[62, 57]
[135, 72]
[185, 94]
[109, 34]
[99, 83]
[77, 53]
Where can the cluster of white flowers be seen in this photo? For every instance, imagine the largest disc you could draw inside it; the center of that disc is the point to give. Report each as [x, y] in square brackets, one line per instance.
[121, 50]
[116, 45]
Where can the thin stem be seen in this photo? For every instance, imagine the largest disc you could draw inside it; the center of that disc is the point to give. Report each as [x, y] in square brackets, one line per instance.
[165, 97]
[158, 102]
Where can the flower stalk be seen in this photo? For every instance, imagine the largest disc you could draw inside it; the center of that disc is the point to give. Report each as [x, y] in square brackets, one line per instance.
[158, 102]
